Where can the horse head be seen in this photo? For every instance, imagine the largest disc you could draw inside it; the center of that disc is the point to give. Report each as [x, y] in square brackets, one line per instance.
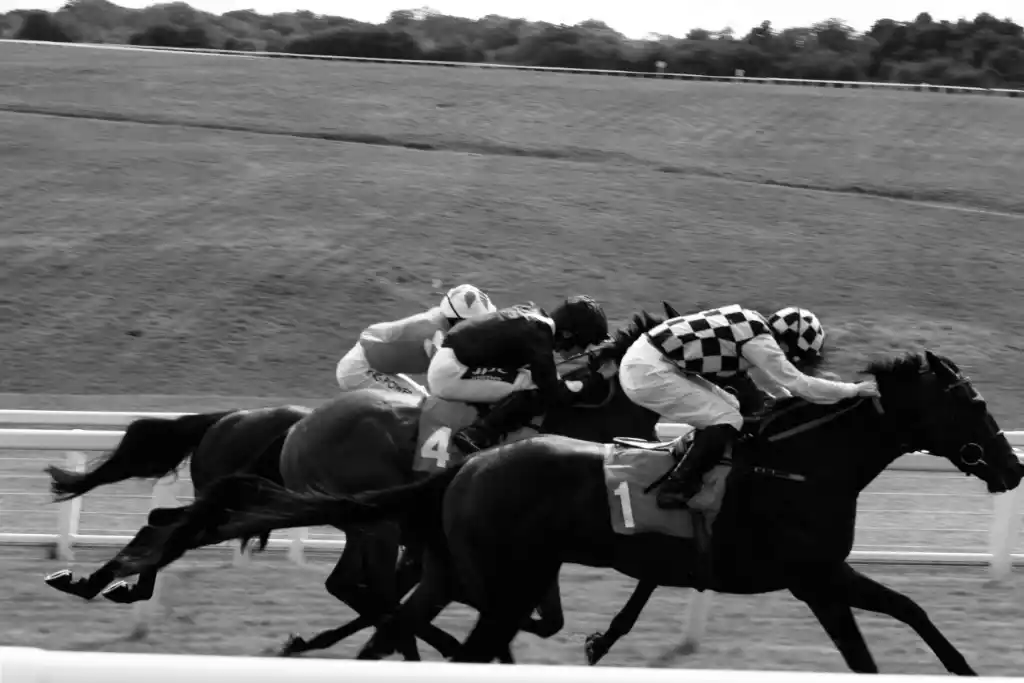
[938, 410]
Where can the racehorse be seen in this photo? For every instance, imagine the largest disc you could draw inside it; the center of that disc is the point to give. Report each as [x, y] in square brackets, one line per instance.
[502, 523]
[152, 447]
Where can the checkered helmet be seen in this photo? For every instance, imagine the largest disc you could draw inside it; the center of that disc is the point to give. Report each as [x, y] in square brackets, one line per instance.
[464, 302]
[801, 330]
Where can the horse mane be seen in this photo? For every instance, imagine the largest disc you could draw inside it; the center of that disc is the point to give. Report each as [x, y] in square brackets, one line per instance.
[902, 367]
[624, 337]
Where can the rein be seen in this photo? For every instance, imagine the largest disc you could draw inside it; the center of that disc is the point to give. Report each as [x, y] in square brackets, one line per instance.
[802, 428]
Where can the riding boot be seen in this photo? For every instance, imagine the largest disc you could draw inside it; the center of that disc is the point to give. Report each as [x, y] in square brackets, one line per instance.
[687, 477]
[512, 412]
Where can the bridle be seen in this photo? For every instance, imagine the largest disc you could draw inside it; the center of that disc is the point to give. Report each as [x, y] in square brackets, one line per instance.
[973, 453]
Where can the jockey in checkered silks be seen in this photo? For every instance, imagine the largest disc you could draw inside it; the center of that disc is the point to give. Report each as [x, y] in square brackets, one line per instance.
[387, 350]
[674, 367]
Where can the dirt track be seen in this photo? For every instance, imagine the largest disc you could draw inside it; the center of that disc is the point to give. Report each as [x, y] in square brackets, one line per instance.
[218, 609]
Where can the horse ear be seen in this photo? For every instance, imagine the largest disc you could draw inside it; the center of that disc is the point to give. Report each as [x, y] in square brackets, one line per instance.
[670, 310]
[939, 366]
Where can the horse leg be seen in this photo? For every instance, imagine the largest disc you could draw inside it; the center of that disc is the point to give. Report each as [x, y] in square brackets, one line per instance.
[346, 583]
[599, 644]
[409, 572]
[491, 638]
[507, 589]
[865, 593]
[430, 597]
[87, 588]
[121, 592]
[408, 576]
[836, 617]
[550, 617]
[124, 593]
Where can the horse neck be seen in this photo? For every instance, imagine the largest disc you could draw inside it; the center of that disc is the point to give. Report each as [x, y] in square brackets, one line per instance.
[849, 452]
[603, 422]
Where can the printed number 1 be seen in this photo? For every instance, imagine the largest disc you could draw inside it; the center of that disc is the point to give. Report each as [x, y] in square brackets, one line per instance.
[622, 491]
[436, 447]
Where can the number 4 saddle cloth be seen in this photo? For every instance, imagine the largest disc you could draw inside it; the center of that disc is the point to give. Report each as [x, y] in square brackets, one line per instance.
[439, 419]
[632, 465]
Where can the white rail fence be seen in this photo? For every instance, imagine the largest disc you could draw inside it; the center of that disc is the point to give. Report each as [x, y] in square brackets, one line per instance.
[920, 87]
[31, 665]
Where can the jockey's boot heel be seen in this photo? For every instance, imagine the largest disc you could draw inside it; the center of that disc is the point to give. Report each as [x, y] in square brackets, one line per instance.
[685, 481]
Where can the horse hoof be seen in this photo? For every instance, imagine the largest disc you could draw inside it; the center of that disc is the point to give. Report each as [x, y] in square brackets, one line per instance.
[62, 580]
[120, 592]
[293, 646]
[594, 649]
[688, 648]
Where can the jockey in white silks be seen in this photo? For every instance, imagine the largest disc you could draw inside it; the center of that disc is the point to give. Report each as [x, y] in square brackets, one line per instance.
[672, 370]
[387, 351]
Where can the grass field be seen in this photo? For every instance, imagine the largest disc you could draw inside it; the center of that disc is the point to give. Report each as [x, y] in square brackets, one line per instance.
[177, 224]
[177, 256]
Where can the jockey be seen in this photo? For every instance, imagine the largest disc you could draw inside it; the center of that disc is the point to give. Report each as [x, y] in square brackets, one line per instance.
[672, 370]
[507, 359]
[405, 346]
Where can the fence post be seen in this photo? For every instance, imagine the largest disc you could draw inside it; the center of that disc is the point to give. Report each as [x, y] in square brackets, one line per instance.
[1003, 533]
[697, 614]
[70, 513]
[297, 548]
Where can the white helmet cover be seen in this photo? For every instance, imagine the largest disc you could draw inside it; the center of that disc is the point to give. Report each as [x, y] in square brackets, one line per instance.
[464, 302]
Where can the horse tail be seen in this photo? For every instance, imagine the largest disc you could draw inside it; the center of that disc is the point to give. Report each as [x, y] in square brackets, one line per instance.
[259, 506]
[268, 466]
[246, 505]
[152, 447]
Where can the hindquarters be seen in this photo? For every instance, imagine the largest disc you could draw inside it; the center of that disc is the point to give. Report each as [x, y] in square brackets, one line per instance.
[245, 441]
[358, 441]
[515, 513]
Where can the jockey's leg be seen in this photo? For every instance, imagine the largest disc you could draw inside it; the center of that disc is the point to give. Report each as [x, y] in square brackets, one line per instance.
[451, 380]
[507, 415]
[685, 481]
[354, 372]
[654, 383]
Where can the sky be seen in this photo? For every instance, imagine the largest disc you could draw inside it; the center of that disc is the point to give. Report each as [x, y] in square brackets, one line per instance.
[635, 18]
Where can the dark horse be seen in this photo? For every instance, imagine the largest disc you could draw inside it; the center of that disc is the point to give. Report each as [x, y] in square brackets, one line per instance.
[501, 525]
[220, 443]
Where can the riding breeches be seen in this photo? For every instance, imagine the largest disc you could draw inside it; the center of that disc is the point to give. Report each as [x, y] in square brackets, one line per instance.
[354, 372]
[651, 381]
[450, 379]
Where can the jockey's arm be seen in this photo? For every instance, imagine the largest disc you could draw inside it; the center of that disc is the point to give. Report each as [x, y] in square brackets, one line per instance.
[378, 332]
[542, 363]
[766, 355]
[766, 384]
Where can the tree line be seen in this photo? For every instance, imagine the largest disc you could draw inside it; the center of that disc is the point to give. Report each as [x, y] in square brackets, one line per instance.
[983, 51]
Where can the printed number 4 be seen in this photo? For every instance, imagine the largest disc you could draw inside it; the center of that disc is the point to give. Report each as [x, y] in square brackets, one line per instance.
[622, 491]
[436, 447]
